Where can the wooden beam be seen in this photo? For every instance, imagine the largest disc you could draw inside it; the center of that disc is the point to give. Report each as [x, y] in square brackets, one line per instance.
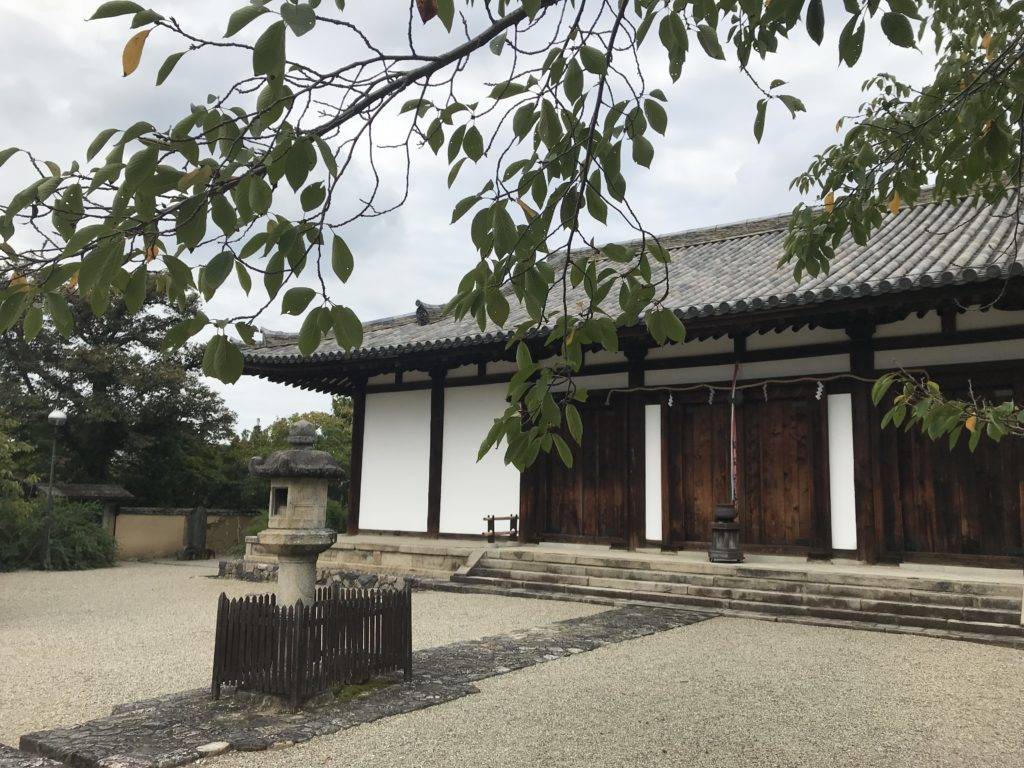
[866, 480]
[437, 377]
[355, 471]
[637, 453]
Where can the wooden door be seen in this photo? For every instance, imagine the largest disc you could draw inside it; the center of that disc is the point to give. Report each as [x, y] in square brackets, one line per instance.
[945, 504]
[588, 502]
[782, 469]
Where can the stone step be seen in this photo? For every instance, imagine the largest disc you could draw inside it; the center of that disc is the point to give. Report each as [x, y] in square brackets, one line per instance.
[748, 606]
[838, 577]
[578, 574]
[764, 593]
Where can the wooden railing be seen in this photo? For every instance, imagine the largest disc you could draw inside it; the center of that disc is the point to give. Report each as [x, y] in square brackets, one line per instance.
[297, 651]
[513, 527]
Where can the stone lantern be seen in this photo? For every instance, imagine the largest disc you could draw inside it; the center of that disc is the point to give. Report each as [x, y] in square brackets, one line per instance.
[297, 528]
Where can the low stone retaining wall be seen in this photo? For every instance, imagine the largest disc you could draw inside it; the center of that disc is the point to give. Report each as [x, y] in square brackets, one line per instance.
[261, 572]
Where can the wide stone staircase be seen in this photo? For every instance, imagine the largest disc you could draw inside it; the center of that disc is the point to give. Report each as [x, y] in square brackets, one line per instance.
[957, 606]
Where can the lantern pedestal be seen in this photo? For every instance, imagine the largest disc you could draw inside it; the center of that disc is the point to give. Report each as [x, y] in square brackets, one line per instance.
[725, 536]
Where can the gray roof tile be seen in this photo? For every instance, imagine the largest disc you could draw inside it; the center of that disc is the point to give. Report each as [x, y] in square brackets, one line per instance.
[733, 269]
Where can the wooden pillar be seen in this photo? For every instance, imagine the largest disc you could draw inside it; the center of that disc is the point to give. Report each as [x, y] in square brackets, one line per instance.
[866, 477]
[355, 470]
[635, 486]
[437, 377]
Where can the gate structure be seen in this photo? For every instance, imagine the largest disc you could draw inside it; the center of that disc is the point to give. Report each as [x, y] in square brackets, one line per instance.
[298, 651]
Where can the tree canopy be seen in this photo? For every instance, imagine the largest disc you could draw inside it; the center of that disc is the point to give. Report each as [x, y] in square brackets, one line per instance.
[134, 406]
[250, 184]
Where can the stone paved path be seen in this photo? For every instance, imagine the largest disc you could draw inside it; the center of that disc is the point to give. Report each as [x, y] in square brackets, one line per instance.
[167, 731]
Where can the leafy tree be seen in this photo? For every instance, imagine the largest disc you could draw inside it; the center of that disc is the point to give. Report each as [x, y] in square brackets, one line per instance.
[216, 194]
[139, 415]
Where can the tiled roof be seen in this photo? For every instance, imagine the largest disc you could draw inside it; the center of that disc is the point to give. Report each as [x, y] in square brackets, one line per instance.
[733, 269]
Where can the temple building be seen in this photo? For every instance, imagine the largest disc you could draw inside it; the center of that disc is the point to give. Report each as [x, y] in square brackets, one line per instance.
[939, 288]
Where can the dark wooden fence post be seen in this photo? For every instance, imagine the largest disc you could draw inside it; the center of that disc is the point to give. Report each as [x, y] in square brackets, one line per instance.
[408, 632]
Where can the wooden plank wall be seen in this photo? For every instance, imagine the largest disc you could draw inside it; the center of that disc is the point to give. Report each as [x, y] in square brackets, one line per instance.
[782, 488]
[954, 503]
[590, 501]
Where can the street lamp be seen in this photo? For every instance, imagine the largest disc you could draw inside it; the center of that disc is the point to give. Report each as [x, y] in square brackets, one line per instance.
[58, 418]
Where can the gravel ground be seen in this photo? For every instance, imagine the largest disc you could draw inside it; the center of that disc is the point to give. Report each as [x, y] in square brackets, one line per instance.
[72, 645]
[724, 692]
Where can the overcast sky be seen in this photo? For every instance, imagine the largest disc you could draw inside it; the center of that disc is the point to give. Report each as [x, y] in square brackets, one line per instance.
[61, 84]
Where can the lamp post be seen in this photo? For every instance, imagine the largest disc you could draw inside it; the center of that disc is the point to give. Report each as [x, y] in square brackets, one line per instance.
[58, 418]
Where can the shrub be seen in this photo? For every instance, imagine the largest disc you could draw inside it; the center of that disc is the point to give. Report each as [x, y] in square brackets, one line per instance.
[77, 538]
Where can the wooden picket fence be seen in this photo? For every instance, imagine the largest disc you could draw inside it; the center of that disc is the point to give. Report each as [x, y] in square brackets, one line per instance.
[297, 651]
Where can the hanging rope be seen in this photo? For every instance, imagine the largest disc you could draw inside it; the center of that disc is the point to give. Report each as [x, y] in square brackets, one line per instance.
[763, 383]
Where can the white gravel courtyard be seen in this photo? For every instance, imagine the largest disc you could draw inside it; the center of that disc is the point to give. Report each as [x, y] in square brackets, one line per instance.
[718, 694]
[74, 644]
[723, 692]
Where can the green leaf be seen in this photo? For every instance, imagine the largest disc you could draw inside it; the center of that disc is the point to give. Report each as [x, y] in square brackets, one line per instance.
[851, 41]
[228, 361]
[643, 151]
[762, 108]
[880, 387]
[348, 330]
[463, 206]
[268, 55]
[116, 8]
[572, 418]
[215, 273]
[168, 66]
[242, 17]
[244, 280]
[793, 104]
[656, 115]
[7, 154]
[300, 17]
[815, 21]
[260, 196]
[33, 322]
[708, 38]
[99, 142]
[313, 196]
[497, 44]
[341, 259]
[190, 221]
[141, 166]
[897, 28]
[296, 300]
[142, 18]
[223, 214]
[572, 83]
[10, 310]
[446, 13]
[135, 291]
[593, 60]
[473, 144]
[299, 161]
[309, 333]
[564, 452]
[59, 311]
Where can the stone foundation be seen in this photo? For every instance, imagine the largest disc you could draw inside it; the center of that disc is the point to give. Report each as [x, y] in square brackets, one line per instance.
[264, 572]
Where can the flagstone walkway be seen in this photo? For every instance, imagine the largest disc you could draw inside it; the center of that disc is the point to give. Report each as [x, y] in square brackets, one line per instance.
[169, 730]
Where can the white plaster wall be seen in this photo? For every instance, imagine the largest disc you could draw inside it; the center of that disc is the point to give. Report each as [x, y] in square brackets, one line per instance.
[471, 489]
[790, 338]
[690, 348]
[957, 353]
[909, 326]
[994, 318]
[396, 461]
[652, 472]
[840, 472]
